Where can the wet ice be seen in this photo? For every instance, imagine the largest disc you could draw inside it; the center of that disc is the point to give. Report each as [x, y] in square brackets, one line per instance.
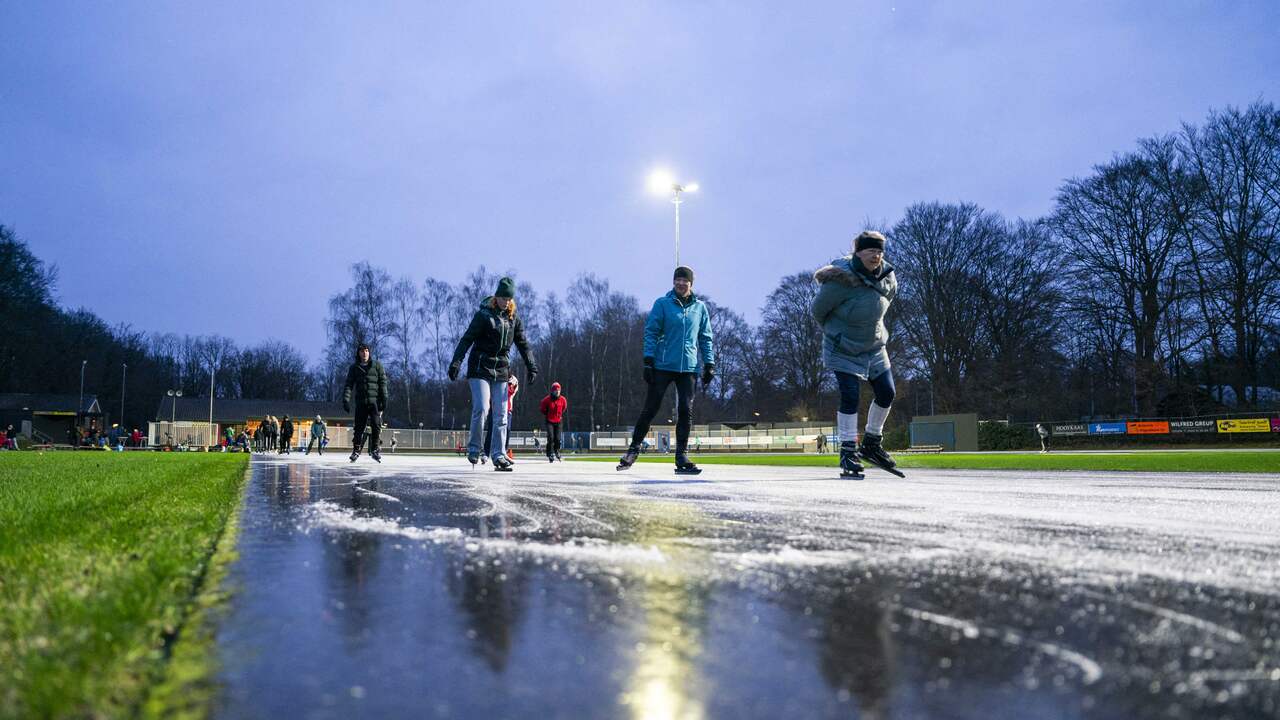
[569, 590]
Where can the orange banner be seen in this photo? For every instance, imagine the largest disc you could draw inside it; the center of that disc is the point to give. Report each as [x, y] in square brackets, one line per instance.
[1148, 427]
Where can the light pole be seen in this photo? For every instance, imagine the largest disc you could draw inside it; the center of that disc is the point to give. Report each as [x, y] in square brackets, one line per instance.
[124, 376]
[80, 406]
[662, 182]
[212, 434]
[173, 409]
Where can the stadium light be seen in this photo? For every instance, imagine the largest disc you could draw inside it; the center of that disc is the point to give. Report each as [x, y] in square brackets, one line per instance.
[661, 182]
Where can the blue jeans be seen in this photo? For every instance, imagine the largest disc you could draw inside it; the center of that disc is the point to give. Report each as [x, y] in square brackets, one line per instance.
[488, 398]
[881, 385]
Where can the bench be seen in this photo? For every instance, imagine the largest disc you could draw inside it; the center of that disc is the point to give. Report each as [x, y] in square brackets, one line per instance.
[921, 449]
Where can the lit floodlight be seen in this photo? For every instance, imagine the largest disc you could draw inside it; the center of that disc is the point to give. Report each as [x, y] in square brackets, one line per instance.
[661, 182]
[691, 187]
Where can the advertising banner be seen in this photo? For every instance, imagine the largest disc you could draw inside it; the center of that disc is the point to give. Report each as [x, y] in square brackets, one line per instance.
[1244, 425]
[1069, 429]
[1275, 424]
[1107, 428]
[1193, 426]
[1148, 427]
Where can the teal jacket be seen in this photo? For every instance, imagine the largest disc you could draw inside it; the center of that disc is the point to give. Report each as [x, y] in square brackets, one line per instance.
[677, 332]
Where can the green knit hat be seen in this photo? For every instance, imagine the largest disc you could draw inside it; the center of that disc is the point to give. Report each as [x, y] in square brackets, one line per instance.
[506, 288]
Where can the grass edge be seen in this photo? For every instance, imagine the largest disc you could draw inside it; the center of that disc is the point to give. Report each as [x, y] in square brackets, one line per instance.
[185, 687]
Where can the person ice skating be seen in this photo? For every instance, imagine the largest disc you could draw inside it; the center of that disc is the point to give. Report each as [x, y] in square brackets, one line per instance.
[677, 339]
[1043, 431]
[366, 389]
[486, 345]
[286, 436]
[319, 433]
[553, 407]
[822, 443]
[855, 292]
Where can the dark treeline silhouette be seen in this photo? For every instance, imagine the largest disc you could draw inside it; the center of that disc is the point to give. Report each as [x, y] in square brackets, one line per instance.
[1152, 288]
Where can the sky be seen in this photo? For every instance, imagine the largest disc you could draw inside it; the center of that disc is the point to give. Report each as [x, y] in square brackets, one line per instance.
[217, 167]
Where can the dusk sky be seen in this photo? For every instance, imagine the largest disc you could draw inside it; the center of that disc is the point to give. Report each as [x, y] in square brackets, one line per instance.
[215, 167]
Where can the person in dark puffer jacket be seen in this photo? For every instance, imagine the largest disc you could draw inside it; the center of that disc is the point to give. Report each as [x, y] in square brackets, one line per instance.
[366, 386]
[487, 346]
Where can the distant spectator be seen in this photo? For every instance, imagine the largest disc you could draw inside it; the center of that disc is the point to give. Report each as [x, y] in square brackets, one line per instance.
[1043, 431]
[135, 439]
[286, 435]
[4, 439]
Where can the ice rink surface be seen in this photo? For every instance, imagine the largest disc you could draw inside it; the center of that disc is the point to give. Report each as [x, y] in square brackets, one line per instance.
[423, 588]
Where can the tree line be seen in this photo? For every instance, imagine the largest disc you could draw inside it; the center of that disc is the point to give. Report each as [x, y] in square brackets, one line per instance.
[1152, 288]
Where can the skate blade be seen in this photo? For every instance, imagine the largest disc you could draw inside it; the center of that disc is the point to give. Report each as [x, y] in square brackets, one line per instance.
[852, 475]
[689, 472]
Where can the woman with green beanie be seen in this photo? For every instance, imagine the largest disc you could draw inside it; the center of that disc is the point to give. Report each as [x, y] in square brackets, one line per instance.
[487, 346]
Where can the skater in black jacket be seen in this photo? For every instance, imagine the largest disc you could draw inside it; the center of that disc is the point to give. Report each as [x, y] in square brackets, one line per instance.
[366, 387]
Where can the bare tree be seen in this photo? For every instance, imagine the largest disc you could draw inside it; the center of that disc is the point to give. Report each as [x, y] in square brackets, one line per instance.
[1233, 158]
[437, 300]
[793, 339]
[936, 251]
[405, 331]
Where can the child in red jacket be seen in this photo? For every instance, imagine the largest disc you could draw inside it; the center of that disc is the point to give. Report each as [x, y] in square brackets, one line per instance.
[552, 408]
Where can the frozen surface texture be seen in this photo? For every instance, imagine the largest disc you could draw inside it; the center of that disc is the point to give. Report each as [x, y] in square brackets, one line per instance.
[423, 588]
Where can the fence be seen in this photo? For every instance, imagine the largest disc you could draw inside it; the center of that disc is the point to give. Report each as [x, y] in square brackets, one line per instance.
[197, 434]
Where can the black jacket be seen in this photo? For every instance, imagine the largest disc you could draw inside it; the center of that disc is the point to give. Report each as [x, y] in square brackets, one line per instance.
[366, 385]
[489, 337]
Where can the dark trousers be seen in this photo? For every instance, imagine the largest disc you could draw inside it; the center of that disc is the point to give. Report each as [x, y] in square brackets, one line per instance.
[318, 442]
[367, 415]
[653, 400]
[286, 442]
[553, 438]
[881, 385]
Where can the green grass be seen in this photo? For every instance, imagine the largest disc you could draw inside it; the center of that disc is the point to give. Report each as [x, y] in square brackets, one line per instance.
[1244, 461]
[104, 560]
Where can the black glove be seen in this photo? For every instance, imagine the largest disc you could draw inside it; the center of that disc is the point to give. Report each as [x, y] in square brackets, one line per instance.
[453, 370]
[346, 406]
[708, 374]
[530, 373]
[648, 371]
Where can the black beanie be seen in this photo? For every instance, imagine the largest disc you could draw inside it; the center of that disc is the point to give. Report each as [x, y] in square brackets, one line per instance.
[685, 272]
[506, 288]
[868, 240]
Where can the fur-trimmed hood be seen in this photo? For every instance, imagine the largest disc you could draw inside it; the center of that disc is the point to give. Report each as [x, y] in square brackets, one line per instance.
[842, 270]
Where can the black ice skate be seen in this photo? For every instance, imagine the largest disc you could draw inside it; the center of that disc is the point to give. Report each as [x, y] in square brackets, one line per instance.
[683, 466]
[873, 453]
[550, 458]
[473, 458]
[558, 458]
[849, 465]
[355, 455]
[501, 463]
[376, 455]
[629, 459]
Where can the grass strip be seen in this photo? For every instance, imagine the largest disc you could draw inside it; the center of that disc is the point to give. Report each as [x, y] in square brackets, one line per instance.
[102, 559]
[1200, 462]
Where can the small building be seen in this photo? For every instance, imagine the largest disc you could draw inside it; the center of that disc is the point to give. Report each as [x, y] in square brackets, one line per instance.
[247, 414]
[953, 432]
[48, 417]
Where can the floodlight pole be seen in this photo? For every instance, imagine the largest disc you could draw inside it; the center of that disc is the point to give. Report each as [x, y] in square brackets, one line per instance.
[675, 200]
[124, 376]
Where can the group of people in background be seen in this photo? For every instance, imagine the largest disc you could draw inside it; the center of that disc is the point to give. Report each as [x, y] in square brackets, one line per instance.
[271, 434]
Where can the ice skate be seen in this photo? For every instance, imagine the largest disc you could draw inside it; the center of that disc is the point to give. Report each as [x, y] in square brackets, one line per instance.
[355, 455]
[629, 459]
[501, 463]
[376, 455]
[849, 465]
[683, 466]
[873, 453]
[550, 458]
